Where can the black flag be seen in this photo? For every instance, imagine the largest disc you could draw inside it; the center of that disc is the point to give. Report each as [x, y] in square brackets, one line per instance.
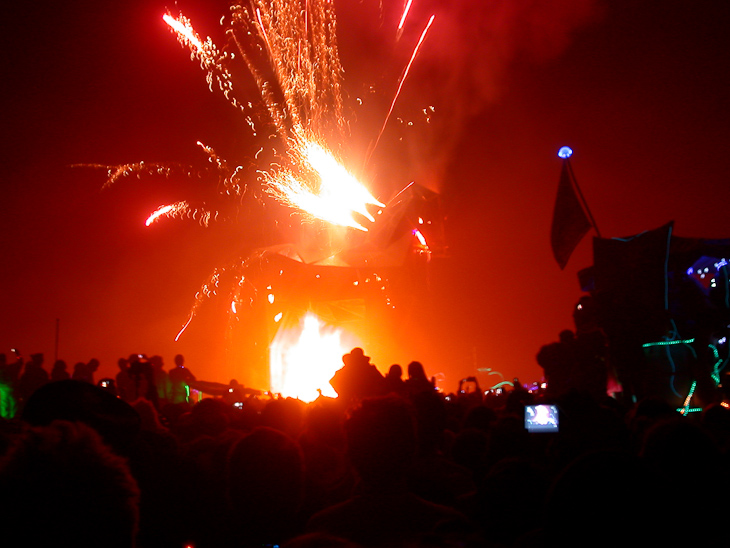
[570, 222]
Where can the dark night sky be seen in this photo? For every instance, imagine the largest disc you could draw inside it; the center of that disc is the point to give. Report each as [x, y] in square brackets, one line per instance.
[638, 89]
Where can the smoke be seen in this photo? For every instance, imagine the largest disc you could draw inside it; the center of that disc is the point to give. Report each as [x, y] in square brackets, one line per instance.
[464, 66]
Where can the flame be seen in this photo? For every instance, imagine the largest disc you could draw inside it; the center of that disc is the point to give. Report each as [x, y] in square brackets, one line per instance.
[324, 189]
[303, 359]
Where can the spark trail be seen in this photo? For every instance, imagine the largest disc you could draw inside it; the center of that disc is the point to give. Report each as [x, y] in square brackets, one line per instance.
[400, 84]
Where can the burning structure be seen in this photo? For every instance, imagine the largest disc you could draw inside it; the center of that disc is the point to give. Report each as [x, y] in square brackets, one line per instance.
[322, 248]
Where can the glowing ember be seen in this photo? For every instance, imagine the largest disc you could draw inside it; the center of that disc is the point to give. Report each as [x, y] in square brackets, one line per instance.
[303, 359]
[182, 27]
[167, 211]
[179, 210]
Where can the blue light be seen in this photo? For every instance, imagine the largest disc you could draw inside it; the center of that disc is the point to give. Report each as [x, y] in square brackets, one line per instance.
[565, 152]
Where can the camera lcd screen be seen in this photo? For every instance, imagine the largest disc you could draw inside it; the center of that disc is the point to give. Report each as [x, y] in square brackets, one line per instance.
[541, 418]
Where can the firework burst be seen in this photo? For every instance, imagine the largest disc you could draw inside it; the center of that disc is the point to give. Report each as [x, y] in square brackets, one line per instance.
[289, 49]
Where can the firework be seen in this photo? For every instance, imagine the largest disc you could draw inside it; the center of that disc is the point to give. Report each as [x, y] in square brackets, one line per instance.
[289, 49]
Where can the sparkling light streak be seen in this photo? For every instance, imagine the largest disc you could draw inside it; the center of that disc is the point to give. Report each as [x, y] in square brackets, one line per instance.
[180, 210]
[184, 327]
[184, 29]
[399, 33]
[170, 210]
[668, 343]
[403, 79]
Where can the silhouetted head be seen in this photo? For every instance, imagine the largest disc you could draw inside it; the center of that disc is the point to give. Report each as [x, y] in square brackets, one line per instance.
[265, 484]
[78, 401]
[210, 417]
[395, 371]
[356, 357]
[179, 360]
[381, 439]
[416, 371]
[566, 336]
[156, 362]
[63, 487]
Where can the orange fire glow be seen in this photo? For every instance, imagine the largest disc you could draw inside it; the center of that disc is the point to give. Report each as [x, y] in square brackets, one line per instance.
[304, 358]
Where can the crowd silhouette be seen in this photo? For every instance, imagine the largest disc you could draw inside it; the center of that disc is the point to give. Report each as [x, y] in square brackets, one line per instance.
[391, 462]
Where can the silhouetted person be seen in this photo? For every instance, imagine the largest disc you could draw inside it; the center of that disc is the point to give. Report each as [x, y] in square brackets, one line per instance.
[180, 379]
[91, 368]
[560, 364]
[358, 378]
[59, 371]
[62, 486]
[433, 476]
[417, 381]
[8, 388]
[81, 373]
[590, 349]
[11, 370]
[605, 491]
[381, 443]
[265, 487]
[33, 377]
[162, 380]
[143, 379]
[680, 452]
[393, 380]
[124, 382]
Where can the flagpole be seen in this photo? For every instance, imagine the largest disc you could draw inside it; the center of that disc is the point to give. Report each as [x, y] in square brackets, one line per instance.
[566, 159]
[58, 328]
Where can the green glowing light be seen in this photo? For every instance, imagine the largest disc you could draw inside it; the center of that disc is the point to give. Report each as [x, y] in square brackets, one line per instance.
[716, 368]
[668, 343]
[687, 410]
[501, 384]
[7, 402]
